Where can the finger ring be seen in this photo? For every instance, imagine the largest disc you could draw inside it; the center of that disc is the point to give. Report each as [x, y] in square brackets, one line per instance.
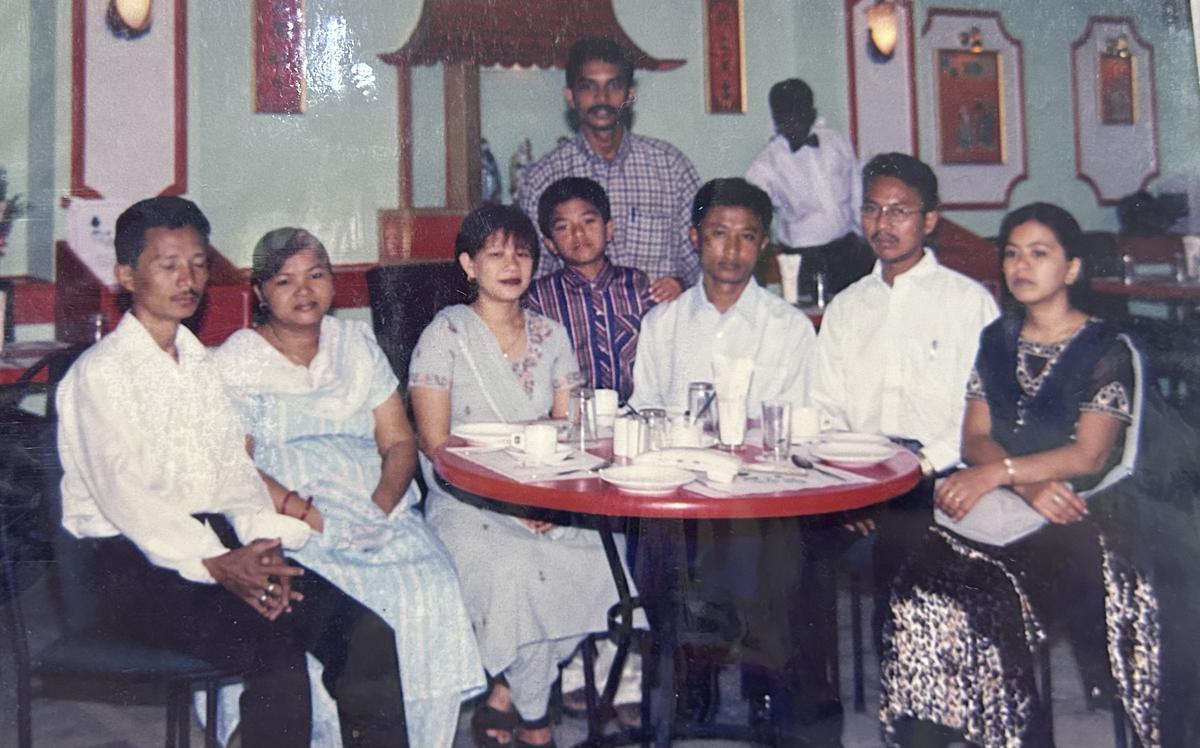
[1057, 499]
[262, 599]
[270, 589]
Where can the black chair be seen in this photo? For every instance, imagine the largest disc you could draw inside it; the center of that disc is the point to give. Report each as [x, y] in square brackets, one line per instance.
[29, 476]
[404, 299]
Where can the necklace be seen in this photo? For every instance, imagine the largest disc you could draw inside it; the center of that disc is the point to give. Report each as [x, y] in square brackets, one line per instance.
[507, 349]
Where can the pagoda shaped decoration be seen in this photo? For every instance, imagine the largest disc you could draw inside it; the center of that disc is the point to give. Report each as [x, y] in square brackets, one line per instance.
[462, 36]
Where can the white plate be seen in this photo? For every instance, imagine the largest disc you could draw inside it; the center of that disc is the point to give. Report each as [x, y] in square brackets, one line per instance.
[852, 437]
[486, 434]
[650, 480]
[561, 453]
[851, 453]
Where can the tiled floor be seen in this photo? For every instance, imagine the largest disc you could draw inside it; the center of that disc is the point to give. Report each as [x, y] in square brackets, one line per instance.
[60, 723]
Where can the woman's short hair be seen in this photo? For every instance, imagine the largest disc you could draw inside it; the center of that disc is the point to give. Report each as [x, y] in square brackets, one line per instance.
[1060, 221]
[1069, 235]
[486, 220]
[274, 249]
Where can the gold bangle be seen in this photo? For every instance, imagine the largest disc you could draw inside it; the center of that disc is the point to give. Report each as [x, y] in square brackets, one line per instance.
[1012, 471]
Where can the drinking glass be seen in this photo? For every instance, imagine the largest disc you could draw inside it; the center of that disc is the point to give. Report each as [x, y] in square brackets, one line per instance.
[657, 428]
[581, 416]
[701, 404]
[731, 421]
[777, 429]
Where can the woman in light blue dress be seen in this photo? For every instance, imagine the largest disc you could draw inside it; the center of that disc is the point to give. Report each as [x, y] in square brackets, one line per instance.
[329, 434]
[533, 590]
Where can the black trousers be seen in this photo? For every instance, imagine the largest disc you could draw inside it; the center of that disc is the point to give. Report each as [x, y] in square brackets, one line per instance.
[157, 607]
[843, 261]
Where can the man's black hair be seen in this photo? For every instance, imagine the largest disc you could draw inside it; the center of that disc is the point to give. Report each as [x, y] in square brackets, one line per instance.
[164, 211]
[912, 171]
[733, 192]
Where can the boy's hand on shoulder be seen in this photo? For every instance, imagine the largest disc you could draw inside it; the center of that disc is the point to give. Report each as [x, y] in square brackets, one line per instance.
[665, 289]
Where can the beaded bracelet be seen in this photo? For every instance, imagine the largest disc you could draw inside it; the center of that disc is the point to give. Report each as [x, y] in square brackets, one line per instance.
[286, 499]
[307, 508]
[1012, 471]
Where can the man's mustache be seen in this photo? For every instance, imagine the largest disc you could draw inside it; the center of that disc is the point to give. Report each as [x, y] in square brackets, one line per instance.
[881, 235]
[605, 109]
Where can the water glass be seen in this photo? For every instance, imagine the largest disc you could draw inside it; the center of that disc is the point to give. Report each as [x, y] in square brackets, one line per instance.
[581, 417]
[777, 429]
[731, 421]
[702, 406]
[657, 428]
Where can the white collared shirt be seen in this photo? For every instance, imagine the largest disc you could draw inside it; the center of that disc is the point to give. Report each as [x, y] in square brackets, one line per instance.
[896, 359]
[816, 192]
[678, 341]
[146, 442]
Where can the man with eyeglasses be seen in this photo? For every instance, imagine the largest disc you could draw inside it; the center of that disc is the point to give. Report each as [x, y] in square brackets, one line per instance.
[649, 182]
[811, 173]
[896, 349]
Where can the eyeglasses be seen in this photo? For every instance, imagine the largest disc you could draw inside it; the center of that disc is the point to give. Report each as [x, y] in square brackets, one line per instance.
[897, 213]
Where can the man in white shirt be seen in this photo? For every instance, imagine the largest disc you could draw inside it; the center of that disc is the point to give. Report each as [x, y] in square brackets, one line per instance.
[729, 313]
[896, 348]
[811, 173]
[187, 544]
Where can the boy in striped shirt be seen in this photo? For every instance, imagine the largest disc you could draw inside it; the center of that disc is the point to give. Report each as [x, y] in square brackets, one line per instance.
[600, 304]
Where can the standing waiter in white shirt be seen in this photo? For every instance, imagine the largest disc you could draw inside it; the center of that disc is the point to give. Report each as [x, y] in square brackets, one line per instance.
[187, 546]
[896, 348]
[811, 173]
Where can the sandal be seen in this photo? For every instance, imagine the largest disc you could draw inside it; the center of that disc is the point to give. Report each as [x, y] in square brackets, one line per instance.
[490, 718]
[536, 724]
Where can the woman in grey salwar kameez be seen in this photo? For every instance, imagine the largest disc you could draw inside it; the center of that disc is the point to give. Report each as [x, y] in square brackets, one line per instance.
[533, 591]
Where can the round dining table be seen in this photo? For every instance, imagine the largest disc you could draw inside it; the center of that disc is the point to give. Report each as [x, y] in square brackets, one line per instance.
[588, 494]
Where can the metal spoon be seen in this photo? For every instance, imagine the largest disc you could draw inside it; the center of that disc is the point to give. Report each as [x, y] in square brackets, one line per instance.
[800, 462]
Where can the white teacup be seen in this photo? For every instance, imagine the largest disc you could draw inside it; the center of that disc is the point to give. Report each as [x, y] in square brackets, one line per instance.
[806, 422]
[537, 440]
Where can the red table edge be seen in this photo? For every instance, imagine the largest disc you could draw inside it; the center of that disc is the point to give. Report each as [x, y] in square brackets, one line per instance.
[894, 477]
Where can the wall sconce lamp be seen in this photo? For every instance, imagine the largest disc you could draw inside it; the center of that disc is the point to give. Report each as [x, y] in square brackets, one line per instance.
[128, 19]
[1118, 46]
[881, 30]
[972, 40]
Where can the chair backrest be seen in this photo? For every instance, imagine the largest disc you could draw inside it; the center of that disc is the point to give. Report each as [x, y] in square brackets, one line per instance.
[404, 299]
[1151, 249]
[968, 253]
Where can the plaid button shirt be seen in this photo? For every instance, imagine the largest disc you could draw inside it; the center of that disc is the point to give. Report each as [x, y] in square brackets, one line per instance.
[650, 184]
[602, 318]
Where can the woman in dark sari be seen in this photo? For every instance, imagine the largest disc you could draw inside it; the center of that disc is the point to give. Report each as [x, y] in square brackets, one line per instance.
[1054, 414]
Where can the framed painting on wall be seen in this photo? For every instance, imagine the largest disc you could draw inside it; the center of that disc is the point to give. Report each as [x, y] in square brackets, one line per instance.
[970, 107]
[279, 86]
[1116, 90]
[973, 96]
[1112, 91]
[724, 57]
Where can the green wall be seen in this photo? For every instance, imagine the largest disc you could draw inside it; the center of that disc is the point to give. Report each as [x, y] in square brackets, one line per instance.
[334, 167]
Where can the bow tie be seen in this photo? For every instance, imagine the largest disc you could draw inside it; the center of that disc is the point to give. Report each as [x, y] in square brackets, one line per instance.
[811, 140]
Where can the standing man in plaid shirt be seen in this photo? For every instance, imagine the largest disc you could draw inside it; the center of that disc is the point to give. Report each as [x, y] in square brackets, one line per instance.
[650, 183]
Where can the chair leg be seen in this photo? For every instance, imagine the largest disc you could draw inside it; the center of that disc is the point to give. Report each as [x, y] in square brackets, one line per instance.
[1046, 688]
[856, 642]
[1118, 718]
[172, 717]
[210, 715]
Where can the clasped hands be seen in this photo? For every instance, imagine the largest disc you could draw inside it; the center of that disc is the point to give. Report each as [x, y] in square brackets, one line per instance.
[260, 575]
[1053, 499]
